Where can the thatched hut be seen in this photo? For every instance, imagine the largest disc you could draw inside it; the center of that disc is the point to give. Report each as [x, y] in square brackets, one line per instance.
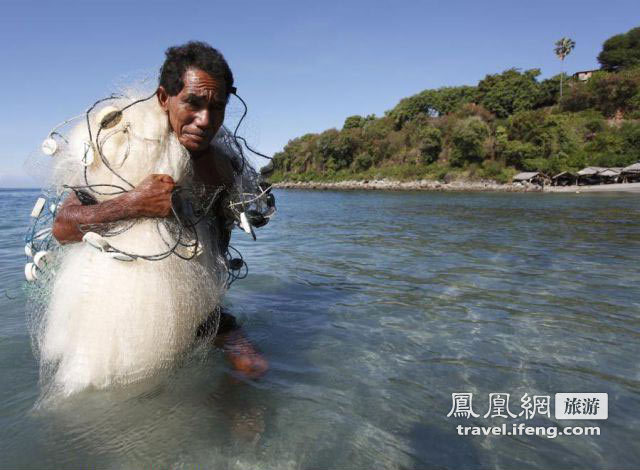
[566, 178]
[609, 175]
[589, 174]
[531, 177]
[631, 173]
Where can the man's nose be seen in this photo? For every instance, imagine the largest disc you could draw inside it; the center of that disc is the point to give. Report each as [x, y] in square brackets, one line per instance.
[203, 119]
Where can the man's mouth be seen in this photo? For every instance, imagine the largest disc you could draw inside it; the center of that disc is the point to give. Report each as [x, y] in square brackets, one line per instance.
[194, 136]
[197, 139]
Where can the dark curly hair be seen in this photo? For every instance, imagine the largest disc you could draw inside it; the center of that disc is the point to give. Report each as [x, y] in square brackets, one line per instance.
[196, 54]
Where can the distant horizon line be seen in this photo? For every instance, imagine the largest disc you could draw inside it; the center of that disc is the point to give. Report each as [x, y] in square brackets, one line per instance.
[2, 188]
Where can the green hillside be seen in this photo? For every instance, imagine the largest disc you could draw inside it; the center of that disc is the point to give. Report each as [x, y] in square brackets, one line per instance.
[508, 122]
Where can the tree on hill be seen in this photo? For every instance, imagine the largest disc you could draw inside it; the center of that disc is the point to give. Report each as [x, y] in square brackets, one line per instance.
[563, 48]
[510, 91]
[432, 103]
[430, 143]
[353, 122]
[356, 121]
[549, 90]
[621, 51]
[468, 139]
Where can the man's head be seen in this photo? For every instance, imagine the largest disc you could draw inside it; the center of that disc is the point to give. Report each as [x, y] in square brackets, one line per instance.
[195, 83]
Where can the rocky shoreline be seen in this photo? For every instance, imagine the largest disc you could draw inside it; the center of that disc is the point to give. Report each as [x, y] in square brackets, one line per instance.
[419, 185]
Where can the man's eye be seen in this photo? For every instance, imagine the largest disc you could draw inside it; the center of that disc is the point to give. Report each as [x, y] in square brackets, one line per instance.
[193, 102]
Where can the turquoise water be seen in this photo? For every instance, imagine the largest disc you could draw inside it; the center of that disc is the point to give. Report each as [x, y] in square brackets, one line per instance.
[372, 309]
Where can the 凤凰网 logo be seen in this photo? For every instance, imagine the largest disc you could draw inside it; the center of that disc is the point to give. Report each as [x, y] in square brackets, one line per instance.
[567, 406]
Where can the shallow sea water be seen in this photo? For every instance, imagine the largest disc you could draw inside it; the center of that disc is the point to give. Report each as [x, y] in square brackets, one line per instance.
[372, 309]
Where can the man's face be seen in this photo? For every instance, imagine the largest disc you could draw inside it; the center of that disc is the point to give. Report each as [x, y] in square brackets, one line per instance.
[197, 112]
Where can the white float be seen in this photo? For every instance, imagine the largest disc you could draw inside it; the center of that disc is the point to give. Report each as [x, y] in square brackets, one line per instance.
[41, 258]
[109, 116]
[96, 241]
[49, 146]
[30, 272]
[37, 208]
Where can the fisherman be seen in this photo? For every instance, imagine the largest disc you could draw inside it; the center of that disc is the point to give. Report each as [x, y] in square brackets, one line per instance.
[194, 88]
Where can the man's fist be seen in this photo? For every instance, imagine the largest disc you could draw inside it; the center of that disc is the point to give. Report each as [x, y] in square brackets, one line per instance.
[152, 197]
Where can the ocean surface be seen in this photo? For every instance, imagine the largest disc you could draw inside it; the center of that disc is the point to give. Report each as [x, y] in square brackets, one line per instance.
[372, 309]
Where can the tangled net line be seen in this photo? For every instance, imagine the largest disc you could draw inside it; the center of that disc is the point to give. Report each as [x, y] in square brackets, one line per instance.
[250, 204]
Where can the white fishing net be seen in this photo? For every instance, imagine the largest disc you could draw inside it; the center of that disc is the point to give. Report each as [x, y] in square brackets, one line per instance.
[125, 303]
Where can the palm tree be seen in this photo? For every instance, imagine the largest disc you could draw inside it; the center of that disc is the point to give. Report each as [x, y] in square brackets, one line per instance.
[563, 48]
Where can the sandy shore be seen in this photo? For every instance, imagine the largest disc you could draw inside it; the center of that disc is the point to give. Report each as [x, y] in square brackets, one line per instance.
[429, 185]
[420, 185]
[599, 188]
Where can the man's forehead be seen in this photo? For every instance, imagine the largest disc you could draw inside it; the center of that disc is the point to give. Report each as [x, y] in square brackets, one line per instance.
[198, 82]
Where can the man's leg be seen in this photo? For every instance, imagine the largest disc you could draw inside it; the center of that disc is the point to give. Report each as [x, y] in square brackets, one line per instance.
[236, 346]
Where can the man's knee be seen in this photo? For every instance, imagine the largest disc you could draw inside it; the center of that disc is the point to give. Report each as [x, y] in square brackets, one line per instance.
[225, 321]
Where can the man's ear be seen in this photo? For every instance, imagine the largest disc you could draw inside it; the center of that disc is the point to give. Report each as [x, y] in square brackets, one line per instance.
[163, 98]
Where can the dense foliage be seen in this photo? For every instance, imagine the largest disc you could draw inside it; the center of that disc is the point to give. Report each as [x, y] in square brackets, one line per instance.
[509, 122]
[621, 51]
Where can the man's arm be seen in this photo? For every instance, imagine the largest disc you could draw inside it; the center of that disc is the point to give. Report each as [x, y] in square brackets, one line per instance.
[151, 198]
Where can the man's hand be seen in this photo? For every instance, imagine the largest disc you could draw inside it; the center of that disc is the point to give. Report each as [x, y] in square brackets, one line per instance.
[152, 197]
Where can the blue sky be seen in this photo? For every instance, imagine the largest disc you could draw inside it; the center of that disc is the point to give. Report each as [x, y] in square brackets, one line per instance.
[301, 66]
